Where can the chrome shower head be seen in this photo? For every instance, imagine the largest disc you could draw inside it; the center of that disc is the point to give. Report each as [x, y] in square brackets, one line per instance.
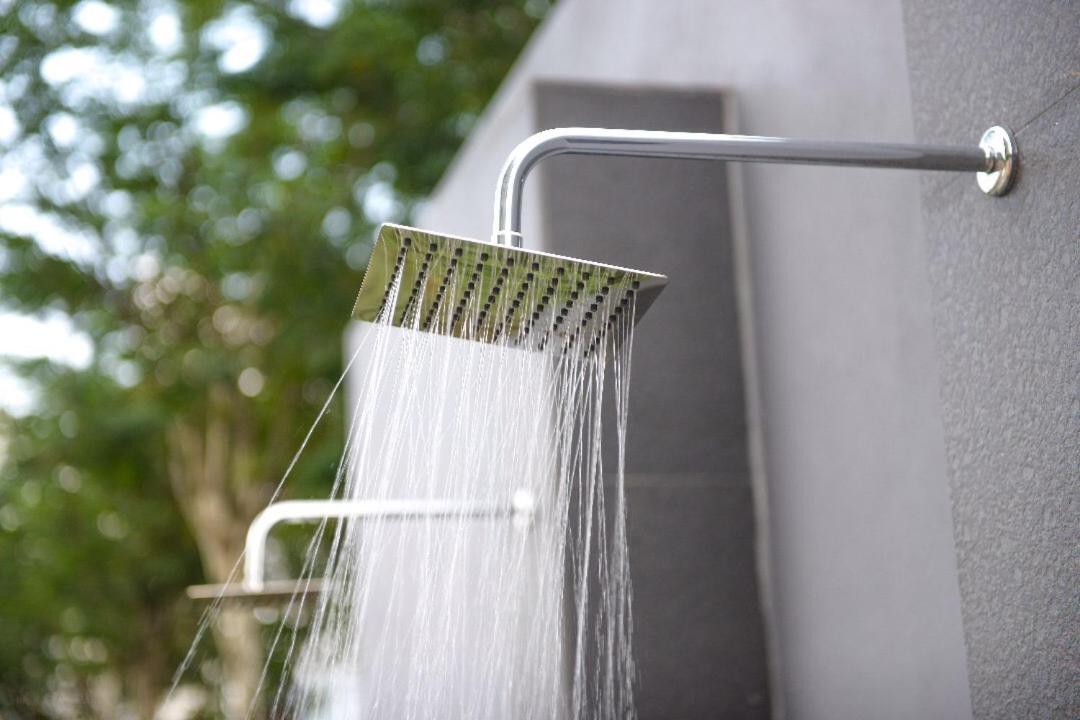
[491, 293]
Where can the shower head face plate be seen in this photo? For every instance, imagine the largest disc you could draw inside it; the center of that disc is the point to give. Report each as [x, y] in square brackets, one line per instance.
[481, 291]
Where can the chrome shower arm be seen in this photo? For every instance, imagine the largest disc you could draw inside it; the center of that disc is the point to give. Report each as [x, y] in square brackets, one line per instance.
[993, 159]
[308, 511]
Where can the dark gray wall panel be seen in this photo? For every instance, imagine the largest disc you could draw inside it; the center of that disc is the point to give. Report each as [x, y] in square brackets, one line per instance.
[1006, 281]
[666, 216]
[698, 629]
[696, 612]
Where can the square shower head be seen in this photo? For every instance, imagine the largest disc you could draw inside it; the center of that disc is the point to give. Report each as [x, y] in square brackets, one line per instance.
[480, 291]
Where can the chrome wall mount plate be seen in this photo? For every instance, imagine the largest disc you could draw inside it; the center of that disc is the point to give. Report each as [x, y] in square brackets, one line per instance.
[1000, 147]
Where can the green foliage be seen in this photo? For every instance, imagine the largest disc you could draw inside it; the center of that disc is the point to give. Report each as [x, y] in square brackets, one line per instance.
[211, 271]
[95, 555]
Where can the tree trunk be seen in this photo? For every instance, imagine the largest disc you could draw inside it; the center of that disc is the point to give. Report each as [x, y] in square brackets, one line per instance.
[211, 469]
[149, 677]
[237, 636]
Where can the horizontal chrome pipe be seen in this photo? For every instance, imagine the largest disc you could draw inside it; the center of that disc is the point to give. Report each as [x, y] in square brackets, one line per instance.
[981, 159]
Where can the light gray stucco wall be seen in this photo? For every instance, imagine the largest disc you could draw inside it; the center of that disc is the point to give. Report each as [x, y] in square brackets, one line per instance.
[865, 606]
[1005, 275]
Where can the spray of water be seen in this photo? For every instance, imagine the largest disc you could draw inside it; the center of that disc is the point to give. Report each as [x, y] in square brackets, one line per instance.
[510, 597]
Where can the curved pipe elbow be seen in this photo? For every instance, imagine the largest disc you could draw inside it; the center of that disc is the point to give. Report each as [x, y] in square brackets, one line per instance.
[506, 229]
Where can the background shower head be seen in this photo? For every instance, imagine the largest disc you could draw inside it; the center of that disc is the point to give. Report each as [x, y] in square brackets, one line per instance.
[491, 293]
[272, 593]
[256, 590]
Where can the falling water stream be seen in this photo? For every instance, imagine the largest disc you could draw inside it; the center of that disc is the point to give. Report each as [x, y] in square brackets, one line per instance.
[513, 602]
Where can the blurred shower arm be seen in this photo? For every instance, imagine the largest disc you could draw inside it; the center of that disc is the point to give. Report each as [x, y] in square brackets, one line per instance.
[306, 511]
[994, 156]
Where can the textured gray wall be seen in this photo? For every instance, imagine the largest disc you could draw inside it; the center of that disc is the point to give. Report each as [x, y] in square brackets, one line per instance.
[698, 634]
[1005, 275]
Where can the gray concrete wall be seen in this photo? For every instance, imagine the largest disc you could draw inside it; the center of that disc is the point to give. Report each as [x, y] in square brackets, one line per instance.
[865, 606]
[1005, 275]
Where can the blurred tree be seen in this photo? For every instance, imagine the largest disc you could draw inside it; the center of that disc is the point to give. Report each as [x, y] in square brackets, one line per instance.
[193, 188]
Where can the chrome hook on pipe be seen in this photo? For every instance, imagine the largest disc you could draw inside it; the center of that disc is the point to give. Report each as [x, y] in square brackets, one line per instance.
[994, 160]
